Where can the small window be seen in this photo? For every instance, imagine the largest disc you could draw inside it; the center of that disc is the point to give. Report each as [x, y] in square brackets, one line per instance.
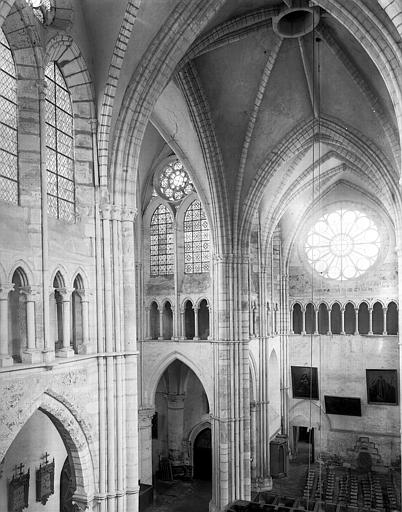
[8, 124]
[59, 146]
[161, 244]
[196, 240]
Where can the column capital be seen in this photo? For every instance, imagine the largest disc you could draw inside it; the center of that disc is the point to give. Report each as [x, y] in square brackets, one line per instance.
[32, 293]
[5, 289]
[115, 212]
[145, 416]
[175, 400]
[65, 293]
[129, 214]
[105, 211]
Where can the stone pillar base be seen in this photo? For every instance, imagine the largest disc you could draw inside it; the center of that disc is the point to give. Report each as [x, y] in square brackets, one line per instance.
[264, 484]
[6, 361]
[65, 352]
[213, 507]
[48, 356]
[31, 356]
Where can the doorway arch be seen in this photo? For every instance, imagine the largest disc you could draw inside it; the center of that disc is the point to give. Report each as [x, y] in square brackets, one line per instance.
[202, 455]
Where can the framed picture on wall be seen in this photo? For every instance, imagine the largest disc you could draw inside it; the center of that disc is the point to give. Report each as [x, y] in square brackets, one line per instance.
[18, 490]
[343, 405]
[305, 382]
[382, 387]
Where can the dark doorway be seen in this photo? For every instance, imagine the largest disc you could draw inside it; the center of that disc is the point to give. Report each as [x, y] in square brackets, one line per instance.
[305, 445]
[66, 488]
[203, 455]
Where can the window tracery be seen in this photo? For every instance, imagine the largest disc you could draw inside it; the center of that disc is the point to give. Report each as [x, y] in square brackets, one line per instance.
[162, 242]
[174, 182]
[59, 146]
[196, 240]
[343, 244]
[8, 124]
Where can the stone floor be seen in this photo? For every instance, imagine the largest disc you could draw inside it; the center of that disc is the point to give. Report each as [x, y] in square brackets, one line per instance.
[179, 496]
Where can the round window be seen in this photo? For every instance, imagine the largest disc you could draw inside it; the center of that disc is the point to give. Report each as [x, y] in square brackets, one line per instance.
[343, 244]
[174, 182]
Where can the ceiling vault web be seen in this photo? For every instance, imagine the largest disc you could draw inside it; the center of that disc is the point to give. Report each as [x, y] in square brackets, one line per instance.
[197, 102]
[269, 65]
[374, 101]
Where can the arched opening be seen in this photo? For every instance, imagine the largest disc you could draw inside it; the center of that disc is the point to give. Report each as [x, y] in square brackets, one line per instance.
[56, 311]
[392, 318]
[17, 312]
[66, 487]
[154, 321]
[336, 319]
[350, 318]
[378, 318]
[202, 456]
[203, 320]
[323, 322]
[297, 319]
[76, 314]
[310, 319]
[36, 439]
[363, 318]
[167, 321]
[189, 320]
[182, 409]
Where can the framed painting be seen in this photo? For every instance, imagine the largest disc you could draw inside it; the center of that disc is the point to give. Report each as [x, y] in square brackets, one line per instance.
[18, 491]
[382, 387]
[305, 382]
[45, 482]
[343, 405]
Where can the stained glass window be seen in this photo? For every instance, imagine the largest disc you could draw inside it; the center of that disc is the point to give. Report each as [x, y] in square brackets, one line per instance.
[59, 146]
[343, 244]
[174, 183]
[42, 10]
[162, 242]
[196, 240]
[8, 124]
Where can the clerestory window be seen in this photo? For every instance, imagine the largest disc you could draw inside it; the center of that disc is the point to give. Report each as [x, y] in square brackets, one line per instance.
[59, 146]
[8, 124]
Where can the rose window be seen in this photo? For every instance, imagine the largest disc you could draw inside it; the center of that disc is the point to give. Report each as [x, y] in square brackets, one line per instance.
[343, 244]
[174, 183]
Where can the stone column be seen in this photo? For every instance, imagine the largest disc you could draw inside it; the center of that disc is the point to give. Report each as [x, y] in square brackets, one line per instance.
[303, 310]
[329, 322]
[342, 320]
[145, 415]
[147, 323]
[48, 345]
[183, 324]
[5, 357]
[175, 405]
[160, 337]
[316, 311]
[370, 311]
[66, 350]
[196, 334]
[291, 328]
[253, 441]
[175, 335]
[230, 410]
[31, 354]
[356, 321]
[130, 413]
[269, 324]
[384, 313]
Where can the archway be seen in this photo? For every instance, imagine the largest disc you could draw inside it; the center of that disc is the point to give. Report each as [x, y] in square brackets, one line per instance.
[66, 488]
[202, 455]
[297, 319]
[203, 320]
[17, 316]
[182, 409]
[189, 320]
[167, 321]
[37, 438]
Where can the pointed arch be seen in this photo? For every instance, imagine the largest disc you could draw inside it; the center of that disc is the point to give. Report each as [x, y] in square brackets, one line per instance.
[154, 378]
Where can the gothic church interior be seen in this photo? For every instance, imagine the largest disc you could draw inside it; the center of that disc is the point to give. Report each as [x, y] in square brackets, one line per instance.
[200, 251]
